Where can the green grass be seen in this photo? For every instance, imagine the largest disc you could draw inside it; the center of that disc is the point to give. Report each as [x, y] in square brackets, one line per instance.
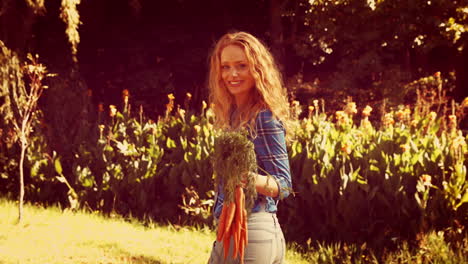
[55, 236]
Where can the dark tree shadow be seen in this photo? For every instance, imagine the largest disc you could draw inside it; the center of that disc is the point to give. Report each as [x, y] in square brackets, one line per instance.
[129, 257]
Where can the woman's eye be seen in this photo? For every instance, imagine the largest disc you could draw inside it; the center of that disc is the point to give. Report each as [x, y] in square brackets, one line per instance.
[242, 66]
[224, 67]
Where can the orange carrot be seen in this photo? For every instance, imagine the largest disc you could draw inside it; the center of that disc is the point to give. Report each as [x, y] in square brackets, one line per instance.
[235, 236]
[226, 242]
[239, 236]
[231, 210]
[221, 224]
[242, 246]
[245, 228]
[238, 220]
[244, 216]
[233, 224]
[238, 195]
[241, 224]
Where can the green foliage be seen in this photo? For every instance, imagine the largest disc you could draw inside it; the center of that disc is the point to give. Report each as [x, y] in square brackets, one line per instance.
[22, 120]
[69, 14]
[431, 249]
[12, 89]
[360, 184]
[37, 6]
[331, 43]
[145, 168]
[371, 61]
[11, 76]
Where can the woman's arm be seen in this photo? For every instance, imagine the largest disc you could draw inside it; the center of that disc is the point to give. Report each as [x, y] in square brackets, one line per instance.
[263, 185]
[266, 185]
[273, 177]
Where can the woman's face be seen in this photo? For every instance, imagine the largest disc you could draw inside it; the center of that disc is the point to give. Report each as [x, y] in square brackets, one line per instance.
[236, 74]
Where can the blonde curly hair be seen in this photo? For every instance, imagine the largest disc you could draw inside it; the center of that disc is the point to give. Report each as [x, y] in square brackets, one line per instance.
[269, 92]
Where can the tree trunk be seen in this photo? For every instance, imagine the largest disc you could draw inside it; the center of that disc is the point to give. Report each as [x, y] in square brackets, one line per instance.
[21, 193]
[276, 31]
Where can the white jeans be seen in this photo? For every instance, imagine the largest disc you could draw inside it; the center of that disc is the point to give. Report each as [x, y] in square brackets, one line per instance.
[266, 243]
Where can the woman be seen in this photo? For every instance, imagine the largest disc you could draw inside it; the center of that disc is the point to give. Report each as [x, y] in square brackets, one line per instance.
[246, 91]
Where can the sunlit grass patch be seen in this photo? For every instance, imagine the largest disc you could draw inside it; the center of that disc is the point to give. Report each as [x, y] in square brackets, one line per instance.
[52, 236]
[55, 236]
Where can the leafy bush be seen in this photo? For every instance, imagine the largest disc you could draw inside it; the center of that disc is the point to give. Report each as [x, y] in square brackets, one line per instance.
[141, 167]
[355, 183]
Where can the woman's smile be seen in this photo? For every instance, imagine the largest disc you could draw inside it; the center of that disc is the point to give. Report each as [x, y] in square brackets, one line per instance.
[235, 83]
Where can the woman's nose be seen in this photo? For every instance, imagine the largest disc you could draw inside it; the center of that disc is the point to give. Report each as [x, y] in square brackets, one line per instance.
[234, 72]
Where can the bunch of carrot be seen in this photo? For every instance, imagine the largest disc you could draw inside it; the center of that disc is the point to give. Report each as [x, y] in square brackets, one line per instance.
[233, 224]
[233, 159]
